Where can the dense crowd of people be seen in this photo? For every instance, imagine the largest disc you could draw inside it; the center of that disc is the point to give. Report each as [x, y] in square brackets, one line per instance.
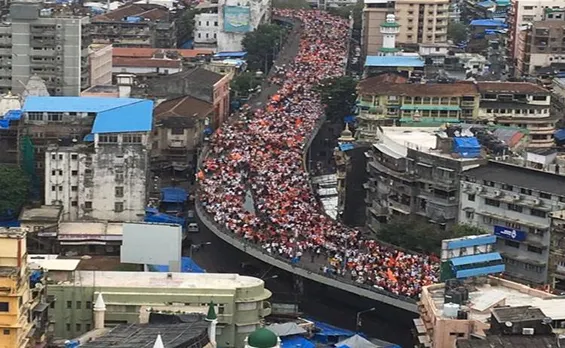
[261, 152]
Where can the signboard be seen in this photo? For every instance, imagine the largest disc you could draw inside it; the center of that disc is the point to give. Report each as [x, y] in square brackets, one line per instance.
[237, 19]
[509, 233]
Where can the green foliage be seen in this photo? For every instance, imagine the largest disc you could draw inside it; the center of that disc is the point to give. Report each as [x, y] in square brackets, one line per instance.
[351, 10]
[457, 32]
[262, 45]
[418, 235]
[243, 83]
[185, 26]
[338, 96]
[293, 4]
[14, 187]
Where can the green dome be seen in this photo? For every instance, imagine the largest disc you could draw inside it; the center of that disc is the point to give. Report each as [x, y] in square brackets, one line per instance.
[262, 338]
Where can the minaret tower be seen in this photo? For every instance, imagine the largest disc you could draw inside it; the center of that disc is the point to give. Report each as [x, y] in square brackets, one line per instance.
[390, 28]
[212, 318]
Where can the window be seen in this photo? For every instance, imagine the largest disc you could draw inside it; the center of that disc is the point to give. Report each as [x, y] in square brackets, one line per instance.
[69, 304]
[52, 304]
[74, 156]
[74, 188]
[507, 187]
[74, 204]
[515, 207]
[68, 326]
[538, 213]
[61, 188]
[6, 331]
[88, 205]
[53, 156]
[488, 183]
[534, 249]
[469, 215]
[215, 24]
[53, 188]
[119, 191]
[4, 307]
[471, 197]
[78, 327]
[88, 305]
[514, 225]
[511, 243]
[87, 327]
[35, 116]
[107, 138]
[545, 195]
[55, 116]
[526, 191]
[132, 138]
[118, 207]
[492, 202]
[60, 157]
[74, 172]
[177, 131]
[53, 172]
[119, 177]
[79, 305]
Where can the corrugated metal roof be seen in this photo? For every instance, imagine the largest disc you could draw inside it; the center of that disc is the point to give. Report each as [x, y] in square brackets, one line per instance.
[392, 61]
[75, 104]
[134, 117]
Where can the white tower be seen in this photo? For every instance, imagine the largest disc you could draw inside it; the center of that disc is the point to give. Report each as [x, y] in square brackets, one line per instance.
[99, 312]
[389, 29]
[212, 318]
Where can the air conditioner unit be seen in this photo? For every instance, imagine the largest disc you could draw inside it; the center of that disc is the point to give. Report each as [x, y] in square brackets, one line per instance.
[480, 189]
[517, 197]
[528, 331]
[497, 193]
[536, 201]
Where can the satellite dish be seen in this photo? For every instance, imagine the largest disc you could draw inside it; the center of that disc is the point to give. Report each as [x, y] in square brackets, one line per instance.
[508, 324]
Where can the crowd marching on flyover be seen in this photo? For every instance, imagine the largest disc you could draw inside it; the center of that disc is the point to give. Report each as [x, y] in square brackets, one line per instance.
[262, 151]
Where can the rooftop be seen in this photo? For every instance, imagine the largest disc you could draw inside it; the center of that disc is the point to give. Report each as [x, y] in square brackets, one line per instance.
[200, 76]
[500, 292]
[57, 264]
[510, 341]
[520, 177]
[42, 213]
[110, 89]
[394, 61]
[86, 229]
[134, 52]
[379, 86]
[186, 106]
[224, 281]
[145, 11]
[146, 62]
[187, 334]
[487, 23]
[113, 115]
[549, 23]
[511, 88]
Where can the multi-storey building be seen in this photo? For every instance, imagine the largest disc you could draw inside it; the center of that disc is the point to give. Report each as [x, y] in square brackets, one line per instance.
[241, 301]
[514, 203]
[519, 104]
[22, 324]
[236, 19]
[50, 43]
[522, 12]
[388, 100]
[421, 21]
[415, 172]
[539, 46]
[101, 159]
[136, 25]
[557, 251]
[100, 61]
[206, 26]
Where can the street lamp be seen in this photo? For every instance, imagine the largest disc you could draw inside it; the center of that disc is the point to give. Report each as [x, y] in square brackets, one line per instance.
[358, 318]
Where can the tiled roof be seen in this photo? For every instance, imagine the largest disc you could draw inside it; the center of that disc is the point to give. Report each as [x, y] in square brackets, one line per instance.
[134, 52]
[186, 106]
[150, 11]
[511, 88]
[146, 62]
[199, 76]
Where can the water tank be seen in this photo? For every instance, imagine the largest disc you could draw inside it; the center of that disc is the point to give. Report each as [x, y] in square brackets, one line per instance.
[450, 310]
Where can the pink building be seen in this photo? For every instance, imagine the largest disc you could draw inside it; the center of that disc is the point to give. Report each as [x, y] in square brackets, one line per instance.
[100, 60]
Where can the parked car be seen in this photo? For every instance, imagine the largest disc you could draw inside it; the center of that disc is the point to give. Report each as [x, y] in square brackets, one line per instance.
[193, 228]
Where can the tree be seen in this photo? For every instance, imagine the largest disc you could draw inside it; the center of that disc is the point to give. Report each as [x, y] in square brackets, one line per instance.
[185, 26]
[243, 83]
[14, 187]
[293, 4]
[457, 32]
[338, 96]
[262, 45]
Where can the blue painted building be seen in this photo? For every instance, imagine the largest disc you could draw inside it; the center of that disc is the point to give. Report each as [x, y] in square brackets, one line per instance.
[409, 66]
[97, 168]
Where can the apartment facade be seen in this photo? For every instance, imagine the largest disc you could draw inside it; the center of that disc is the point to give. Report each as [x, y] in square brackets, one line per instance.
[255, 13]
[521, 105]
[412, 173]
[91, 166]
[17, 303]
[421, 21]
[557, 250]
[514, 203]
[206, 26]
[539, 46]
[50, 44]
[136, 25]
[241, 301]
[100, 61]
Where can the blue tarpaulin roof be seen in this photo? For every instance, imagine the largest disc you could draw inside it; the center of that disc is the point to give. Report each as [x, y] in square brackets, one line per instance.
[187, 266]
[488, 23]
[559, 135]
[165, 219]
[349, 119]
[327, 330]
[394, 61]
[479, 258]
[346, 146]
[467, 147]
[173, 195]
[486, 4]
[13, 115]
[88, 137]
[296, 342]
[113, 115]
[238, 54]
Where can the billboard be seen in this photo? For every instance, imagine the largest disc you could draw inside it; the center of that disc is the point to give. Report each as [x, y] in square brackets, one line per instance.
[509, 233]
[150, 243]
[237, 19]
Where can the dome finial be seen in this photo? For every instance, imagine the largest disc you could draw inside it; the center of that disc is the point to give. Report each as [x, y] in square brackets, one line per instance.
[211, 316]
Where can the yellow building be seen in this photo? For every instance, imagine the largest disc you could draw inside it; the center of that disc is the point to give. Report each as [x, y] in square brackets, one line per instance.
[15, 299]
